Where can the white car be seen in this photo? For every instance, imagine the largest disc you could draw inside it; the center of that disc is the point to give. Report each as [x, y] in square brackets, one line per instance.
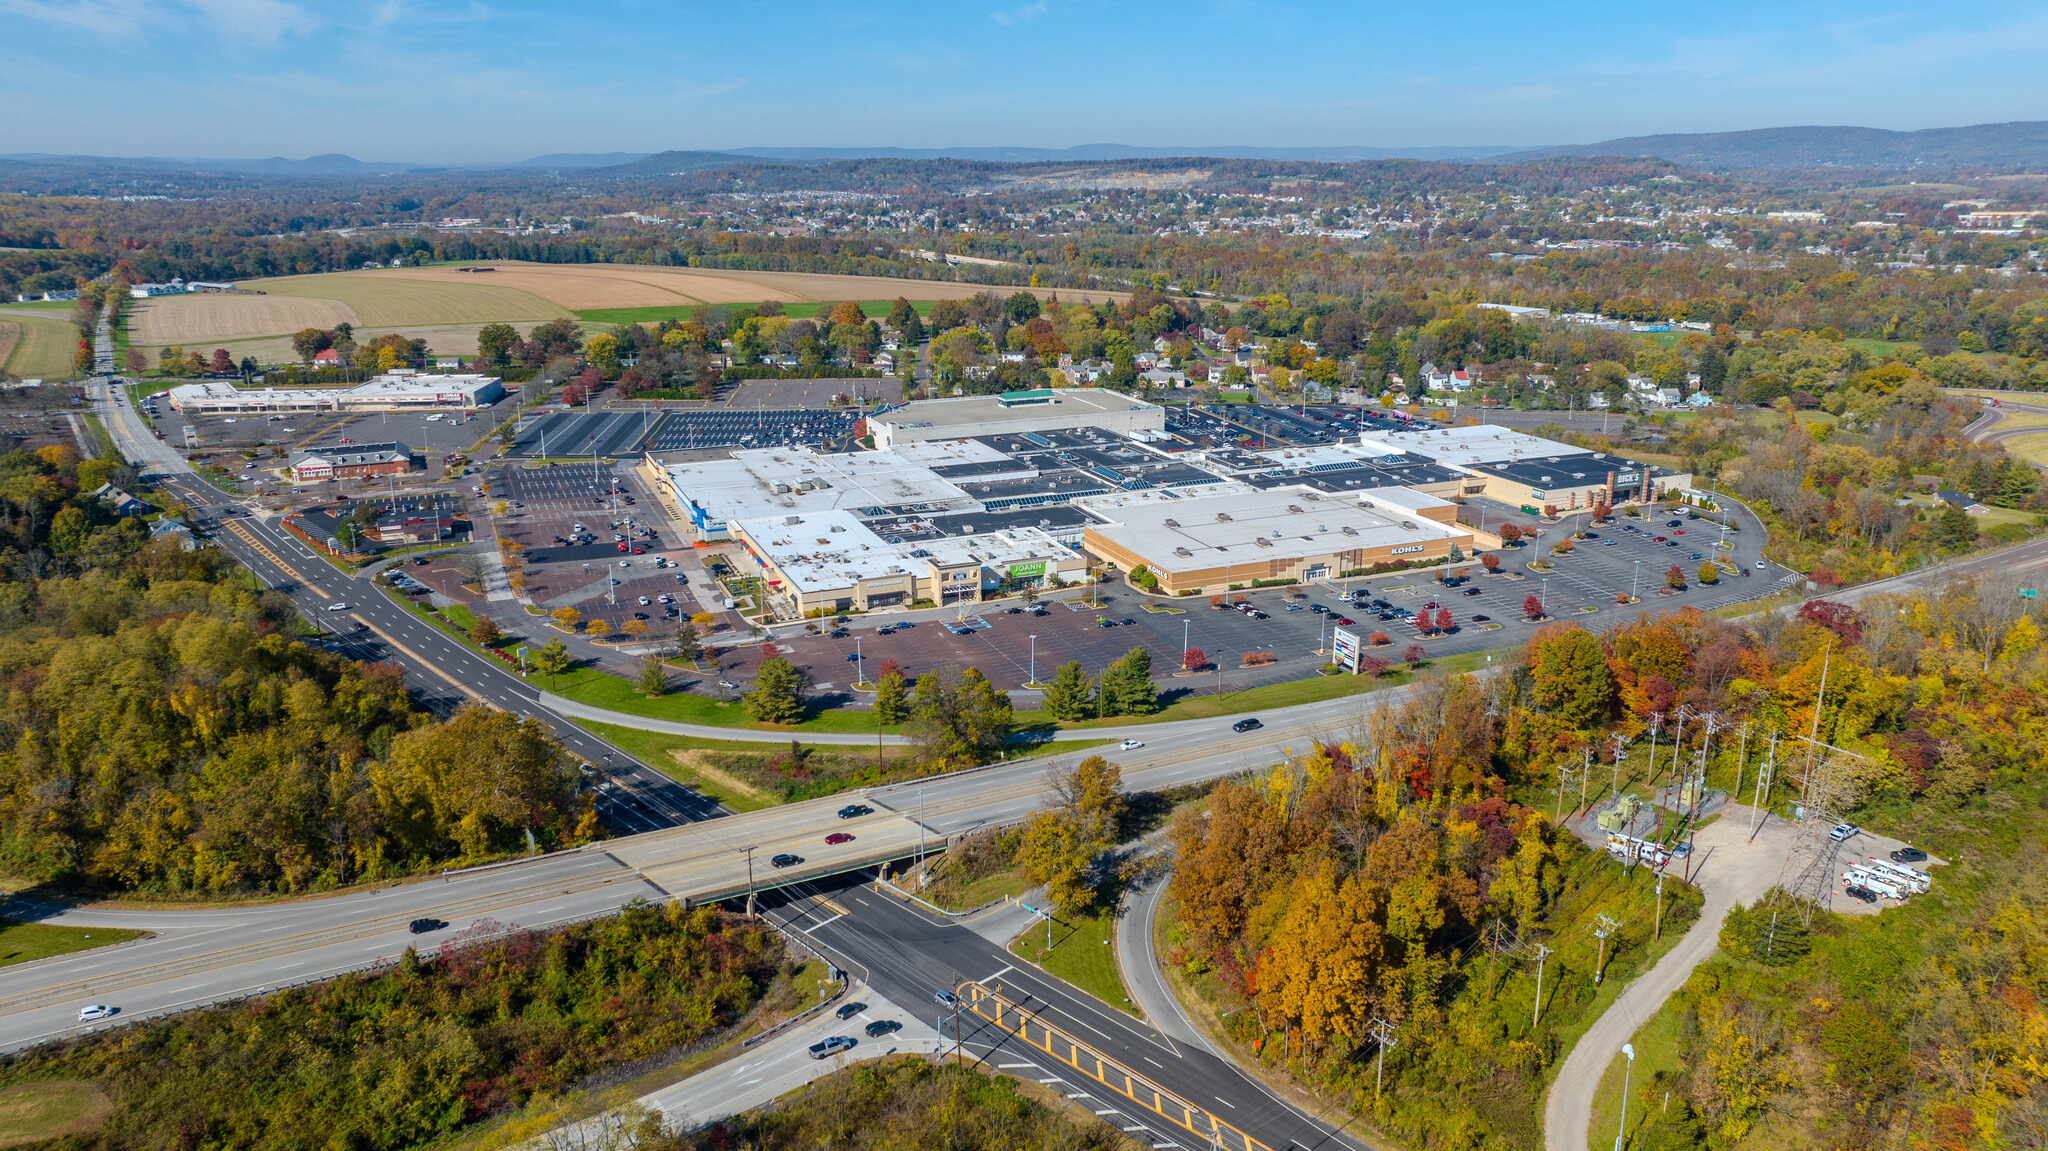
[1130, 745]
[340, 605]
[1761, 565]
[96, 1011]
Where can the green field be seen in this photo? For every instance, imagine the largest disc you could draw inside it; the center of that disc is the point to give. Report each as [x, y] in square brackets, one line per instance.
[25, 942]
[52, 1109]
[873, 309]
[1081, 954]
[35, 346]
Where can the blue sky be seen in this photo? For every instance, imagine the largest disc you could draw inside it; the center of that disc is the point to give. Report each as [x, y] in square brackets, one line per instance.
[487, 80]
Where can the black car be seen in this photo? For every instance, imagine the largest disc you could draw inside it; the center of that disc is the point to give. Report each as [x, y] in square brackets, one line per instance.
[1105, 623]
[1244, 725]
[786, 860]
[1860, 893]
[1126, 622]
[831, 1047]
[1041, 611]
[422, 926]
[855, 811]
[881, 1027]
[1471, 591]
[850, 1010]
[1909, 855]
[1014, 611]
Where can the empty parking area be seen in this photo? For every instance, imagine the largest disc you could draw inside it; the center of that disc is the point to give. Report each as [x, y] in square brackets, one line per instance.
[814, 393]
[559, 434]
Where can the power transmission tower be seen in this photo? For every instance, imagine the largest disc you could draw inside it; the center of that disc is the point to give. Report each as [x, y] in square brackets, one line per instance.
[1564, 775]
[1382, 1033]
[1603, 926]
[1536, 1016]
[1810, 866]
[1618, 743]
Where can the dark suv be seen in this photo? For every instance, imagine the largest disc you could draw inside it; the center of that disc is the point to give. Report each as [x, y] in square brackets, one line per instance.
[1244, 725]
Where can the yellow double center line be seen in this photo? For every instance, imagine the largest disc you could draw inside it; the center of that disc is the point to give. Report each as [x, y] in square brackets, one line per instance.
[276, 561]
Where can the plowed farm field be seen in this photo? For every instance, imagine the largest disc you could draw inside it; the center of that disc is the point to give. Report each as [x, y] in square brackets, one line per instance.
[393, 297]
[217, 317]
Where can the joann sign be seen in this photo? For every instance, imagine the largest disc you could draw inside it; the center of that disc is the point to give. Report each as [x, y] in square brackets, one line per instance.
[1027, 571]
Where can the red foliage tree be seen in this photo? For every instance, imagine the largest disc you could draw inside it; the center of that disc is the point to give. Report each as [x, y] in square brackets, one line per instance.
[1414, 654]
[1372, 665]
[222, 364]
[1509, 533]
[1674, 578]
[1532, 607]
[1379, 639]
[1425, 622]
[1824, 577]
[1444, 620]
[1194, 657]
[769, 651]
[889, 668]
[1490, 562]
[1840, 618]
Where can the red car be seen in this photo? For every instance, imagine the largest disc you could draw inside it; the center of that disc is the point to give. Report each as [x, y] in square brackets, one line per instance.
[622, 547]
[1342, 621]
[638, 551]
[838, 837]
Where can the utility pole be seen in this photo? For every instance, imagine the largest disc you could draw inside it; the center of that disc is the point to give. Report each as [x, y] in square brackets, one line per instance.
[1492, 953]
[1763, 786]
[920, 839]
[1602, 928]
[1383, 1033]
[1657, 932]
[1536, 1015]
[749, 852]
[1585, 773]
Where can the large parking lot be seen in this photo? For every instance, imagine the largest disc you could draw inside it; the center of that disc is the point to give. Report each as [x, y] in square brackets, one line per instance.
[1581, 588]
[435, 433]
[632, 431]
[568, 520]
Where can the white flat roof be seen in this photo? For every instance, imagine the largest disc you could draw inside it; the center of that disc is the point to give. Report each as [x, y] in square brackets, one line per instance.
[395, 386]
[823, 550]
[1461, 447]
[938, 453]
[743, 487]
[1078, 403]
[1294, 521]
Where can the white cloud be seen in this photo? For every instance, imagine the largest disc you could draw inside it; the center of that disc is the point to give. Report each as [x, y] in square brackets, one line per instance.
[260, 21]
[1018, 15]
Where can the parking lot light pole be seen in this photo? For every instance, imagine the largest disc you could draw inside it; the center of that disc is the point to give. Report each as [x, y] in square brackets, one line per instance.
[1034, 662]
[1633, 577]
[1543, 601]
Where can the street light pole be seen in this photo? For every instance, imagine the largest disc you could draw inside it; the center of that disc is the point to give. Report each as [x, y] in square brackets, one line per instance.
[1543, 601]
[1034, 659]
[1628, 1049]
[1636, 575]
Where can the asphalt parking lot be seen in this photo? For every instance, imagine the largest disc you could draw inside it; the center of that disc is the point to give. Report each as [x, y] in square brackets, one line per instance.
[454, 431]
[548, 502]
[1581, 590]
[813, 393]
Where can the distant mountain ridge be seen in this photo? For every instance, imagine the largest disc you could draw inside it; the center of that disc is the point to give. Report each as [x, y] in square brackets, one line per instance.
[1098, 152]
[2020, 143]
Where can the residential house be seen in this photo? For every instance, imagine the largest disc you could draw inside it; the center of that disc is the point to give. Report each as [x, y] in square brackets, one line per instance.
[1434, 379]
[1956, 499]
[1463, 379]
[166, 528]
[1668, 397]
[1215, 374]
[119, 501]
[1012, 357]
[326, 358]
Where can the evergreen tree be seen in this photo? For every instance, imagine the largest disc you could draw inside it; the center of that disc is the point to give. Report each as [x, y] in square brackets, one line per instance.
[1069, 694]
[778, 695]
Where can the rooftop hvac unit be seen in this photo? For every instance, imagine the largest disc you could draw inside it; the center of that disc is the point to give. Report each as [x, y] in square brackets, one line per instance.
[1349, 530]
[787, 520]
[1183, 553]
[1367, 504]
[1409, 525]
[1263, 542]
[838, 527]
[1223, 517]
[1171, 523]
[1295, 508]
[1546, 479]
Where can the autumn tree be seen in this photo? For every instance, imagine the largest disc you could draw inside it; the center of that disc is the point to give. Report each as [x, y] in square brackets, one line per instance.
[484, 632]
[1193, 658]
[479, 777]
[892, 698]
[1379, 639]
[1323, 973]
[1709, 574]
[1532, 606]
[1568, 673]
[566, 618]
[958, 718]
[1509, 533]
[1444, 620]
[689, 645]
[1490, 562]
[1674, 578]
[1414, 653]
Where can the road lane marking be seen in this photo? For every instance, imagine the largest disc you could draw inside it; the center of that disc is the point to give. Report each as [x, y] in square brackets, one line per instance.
[997, 975]
[387, 637]
[827, 922]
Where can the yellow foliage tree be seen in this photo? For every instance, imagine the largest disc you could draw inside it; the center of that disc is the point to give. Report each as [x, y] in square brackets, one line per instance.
[1322, 974]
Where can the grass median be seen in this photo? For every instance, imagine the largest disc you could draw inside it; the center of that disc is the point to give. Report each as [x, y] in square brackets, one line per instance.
[27, 942]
